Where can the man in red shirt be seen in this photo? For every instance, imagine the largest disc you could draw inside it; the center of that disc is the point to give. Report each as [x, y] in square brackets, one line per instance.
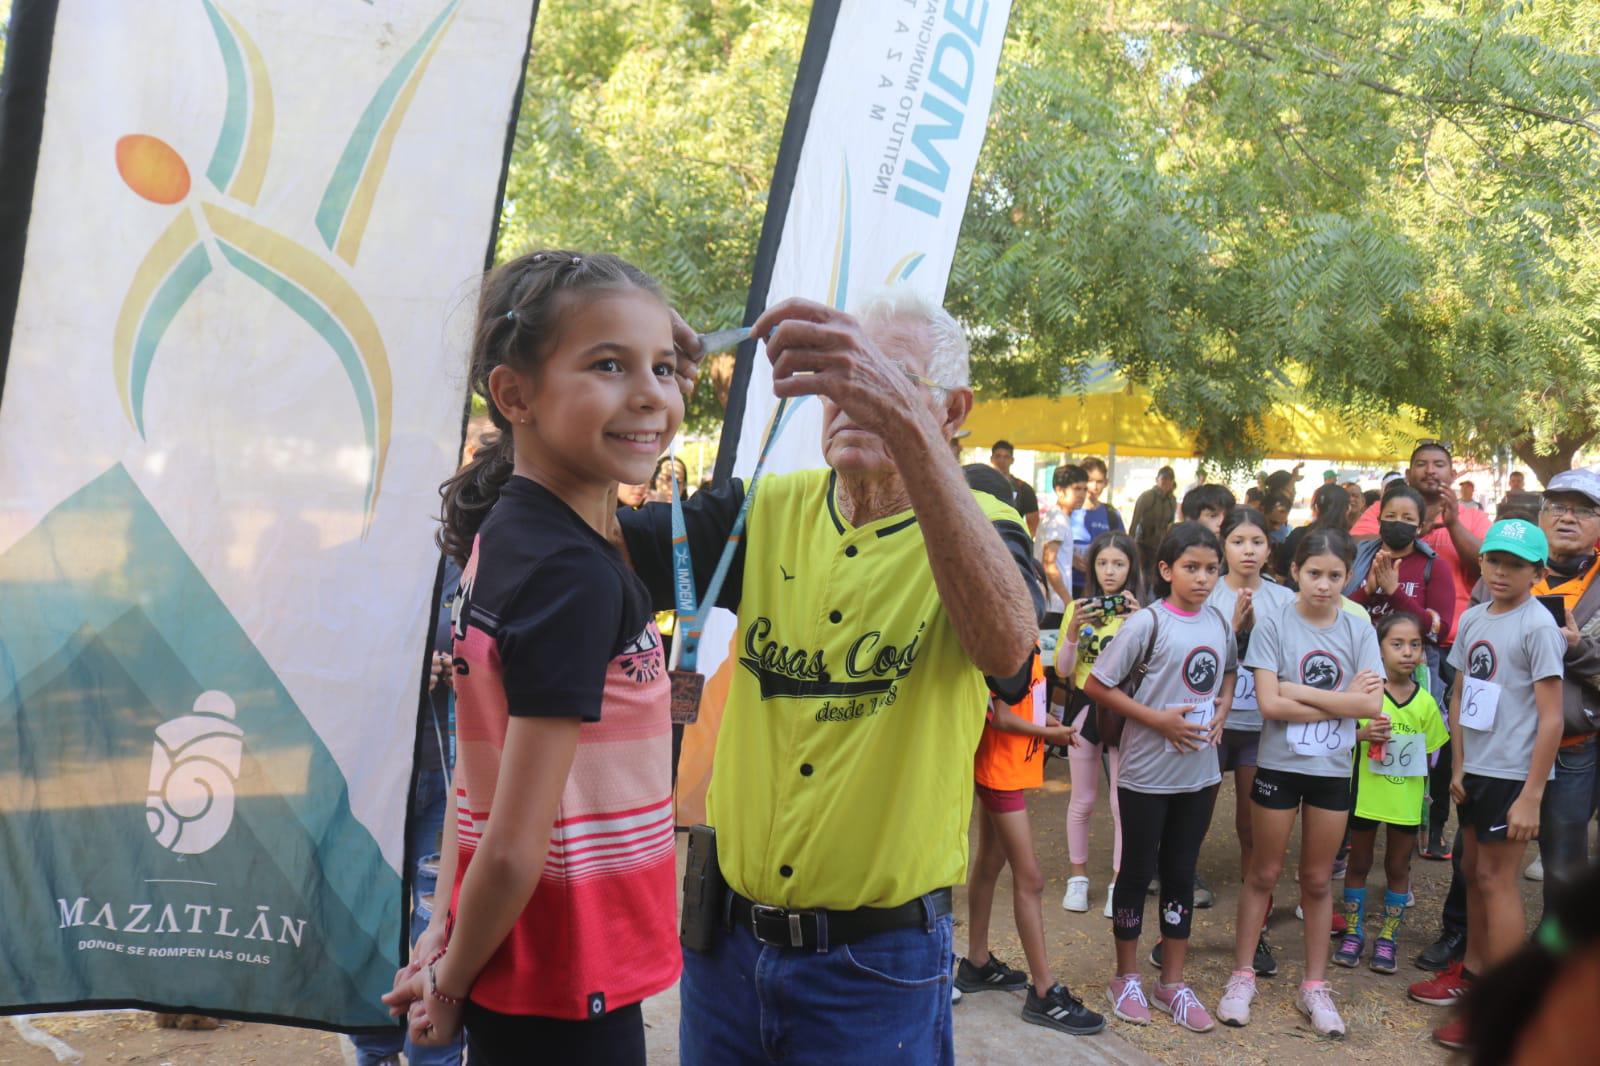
[1449, 529]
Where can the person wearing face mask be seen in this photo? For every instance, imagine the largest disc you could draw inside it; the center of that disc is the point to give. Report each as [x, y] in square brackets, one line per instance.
[1397, 572]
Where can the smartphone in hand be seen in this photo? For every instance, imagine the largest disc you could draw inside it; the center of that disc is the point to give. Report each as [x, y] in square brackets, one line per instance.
[1557, 606]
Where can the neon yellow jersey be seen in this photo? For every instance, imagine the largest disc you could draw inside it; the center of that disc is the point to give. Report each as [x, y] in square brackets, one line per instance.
[843, 770]
[1092, 640]
[1398, 800]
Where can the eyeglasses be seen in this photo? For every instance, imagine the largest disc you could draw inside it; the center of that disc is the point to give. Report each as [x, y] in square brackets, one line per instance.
[1561, 510]
[925, 381]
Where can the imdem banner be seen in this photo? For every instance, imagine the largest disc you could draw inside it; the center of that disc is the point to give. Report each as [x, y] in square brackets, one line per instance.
[889, 112]
[230, 394]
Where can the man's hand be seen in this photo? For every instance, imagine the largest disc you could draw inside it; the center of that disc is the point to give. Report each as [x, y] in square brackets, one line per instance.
[1449, 507]
[818, 351]
[1570, 631]
[686, 346]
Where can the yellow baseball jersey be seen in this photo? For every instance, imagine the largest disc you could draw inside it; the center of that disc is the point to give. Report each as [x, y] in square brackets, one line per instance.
[843, 770]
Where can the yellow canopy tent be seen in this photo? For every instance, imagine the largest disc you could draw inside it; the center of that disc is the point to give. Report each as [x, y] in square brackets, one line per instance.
[1113, 417]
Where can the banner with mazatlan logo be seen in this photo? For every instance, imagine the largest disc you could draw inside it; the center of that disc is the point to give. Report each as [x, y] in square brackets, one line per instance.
[241, 237]
[889, 110]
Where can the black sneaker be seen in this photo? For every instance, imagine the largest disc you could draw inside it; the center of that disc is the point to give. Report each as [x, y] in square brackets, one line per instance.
[1265, 965]
[1060, 1009]
[1449, 949]
[993, 974]
[1155, 954]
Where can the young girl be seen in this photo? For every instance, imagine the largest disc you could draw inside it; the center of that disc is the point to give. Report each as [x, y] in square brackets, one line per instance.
[1391, 773]
[1169, 775]
[548, 944]
[1398, 572]
[1243, 597]
[1317, 672]
[1086, 631]
[1010, 759]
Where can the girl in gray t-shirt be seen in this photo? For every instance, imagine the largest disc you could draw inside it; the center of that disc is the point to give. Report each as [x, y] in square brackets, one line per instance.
[1168, 779]
[1245, 597]
[1317, 670]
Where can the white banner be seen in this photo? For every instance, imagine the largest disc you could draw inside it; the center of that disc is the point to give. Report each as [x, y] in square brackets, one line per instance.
[231, 396]
[880, 190]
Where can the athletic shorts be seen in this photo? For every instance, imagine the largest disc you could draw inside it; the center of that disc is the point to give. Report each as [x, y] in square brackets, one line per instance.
[1488, 800]
[1000, 801]
[1238, 748]
[1284, 790]
[1363, 825]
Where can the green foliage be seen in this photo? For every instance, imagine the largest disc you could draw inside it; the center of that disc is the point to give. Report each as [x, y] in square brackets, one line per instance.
[1395, 201]
[650, 128]
[1400, 199]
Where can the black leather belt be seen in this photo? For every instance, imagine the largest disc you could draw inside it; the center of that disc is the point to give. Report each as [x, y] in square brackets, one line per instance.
[818, 929]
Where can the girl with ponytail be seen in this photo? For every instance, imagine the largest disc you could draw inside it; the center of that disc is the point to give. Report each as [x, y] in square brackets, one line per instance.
[546, 944]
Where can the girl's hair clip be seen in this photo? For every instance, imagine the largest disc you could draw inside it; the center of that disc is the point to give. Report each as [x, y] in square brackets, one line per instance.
[511, 315]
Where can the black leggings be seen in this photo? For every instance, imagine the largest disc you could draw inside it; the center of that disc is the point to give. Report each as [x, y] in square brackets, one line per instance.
[614, 1039]
[1160, 834]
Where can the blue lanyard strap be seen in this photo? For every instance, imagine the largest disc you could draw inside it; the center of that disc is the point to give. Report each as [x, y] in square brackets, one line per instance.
[690, 611]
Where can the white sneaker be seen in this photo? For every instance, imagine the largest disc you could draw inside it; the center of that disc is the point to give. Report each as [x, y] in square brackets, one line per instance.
[955, 995]
[1234, 1007]
[1316, 1003]
[1535, 870]
[1077, 897]
[1112, 887]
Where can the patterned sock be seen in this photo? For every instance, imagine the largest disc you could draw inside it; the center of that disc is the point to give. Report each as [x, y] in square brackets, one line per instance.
[1355, 909]
[1394, 911]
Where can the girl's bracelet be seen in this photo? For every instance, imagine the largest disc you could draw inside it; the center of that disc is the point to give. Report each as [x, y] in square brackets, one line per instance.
[433, 987]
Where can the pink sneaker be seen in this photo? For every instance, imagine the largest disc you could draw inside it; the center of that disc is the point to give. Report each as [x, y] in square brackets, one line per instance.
[1127, 999]
[1180, 1001]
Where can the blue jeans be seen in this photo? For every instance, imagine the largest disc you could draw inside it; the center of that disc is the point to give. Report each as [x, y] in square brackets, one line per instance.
[1569, 804]
[427, 820]
[884, 999]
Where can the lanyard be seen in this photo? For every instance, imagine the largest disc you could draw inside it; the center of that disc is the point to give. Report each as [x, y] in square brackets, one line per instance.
[686, 640]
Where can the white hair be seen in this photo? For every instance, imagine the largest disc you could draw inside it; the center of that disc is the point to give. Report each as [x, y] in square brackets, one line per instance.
[949, 360]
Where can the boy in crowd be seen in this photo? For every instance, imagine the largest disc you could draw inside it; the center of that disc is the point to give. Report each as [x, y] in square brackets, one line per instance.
[1209, 505]
[1091, 520]
[1276, 511]
[1053, 543]
[1505, 725]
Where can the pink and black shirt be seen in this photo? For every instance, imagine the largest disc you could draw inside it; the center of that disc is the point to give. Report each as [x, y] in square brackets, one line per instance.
[550, 621]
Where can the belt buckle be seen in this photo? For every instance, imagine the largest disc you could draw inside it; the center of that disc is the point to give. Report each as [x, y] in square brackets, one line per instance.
[759, 911]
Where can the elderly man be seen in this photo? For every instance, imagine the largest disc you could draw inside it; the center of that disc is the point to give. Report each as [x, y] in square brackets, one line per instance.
[1570, 519]
[873, 597]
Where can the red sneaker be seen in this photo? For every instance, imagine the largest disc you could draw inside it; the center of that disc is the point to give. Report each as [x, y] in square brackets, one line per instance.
[1444, 990]
[1340, 926]
[1452, 1034]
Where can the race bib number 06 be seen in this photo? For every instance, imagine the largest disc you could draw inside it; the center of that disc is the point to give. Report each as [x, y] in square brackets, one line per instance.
[1405, 755]
[1331, 736]
[1479, 701]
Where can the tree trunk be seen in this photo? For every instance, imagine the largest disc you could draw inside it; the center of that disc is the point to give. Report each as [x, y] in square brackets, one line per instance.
[1549, 465]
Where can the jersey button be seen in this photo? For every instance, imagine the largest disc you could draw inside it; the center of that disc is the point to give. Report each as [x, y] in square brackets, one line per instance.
[835, 617]
[805, 769]
[786, 870]
[850, 552]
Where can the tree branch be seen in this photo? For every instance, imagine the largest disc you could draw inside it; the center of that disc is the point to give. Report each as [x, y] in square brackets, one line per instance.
[1173, 27]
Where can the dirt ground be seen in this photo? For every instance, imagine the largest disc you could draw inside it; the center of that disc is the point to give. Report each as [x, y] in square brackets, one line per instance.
[1384, 1025]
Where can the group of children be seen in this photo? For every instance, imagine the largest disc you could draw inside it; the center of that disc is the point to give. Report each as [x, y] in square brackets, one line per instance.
[1319, 709]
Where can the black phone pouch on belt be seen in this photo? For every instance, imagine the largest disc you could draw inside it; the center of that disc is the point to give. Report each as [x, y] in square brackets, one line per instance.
[705, 894]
